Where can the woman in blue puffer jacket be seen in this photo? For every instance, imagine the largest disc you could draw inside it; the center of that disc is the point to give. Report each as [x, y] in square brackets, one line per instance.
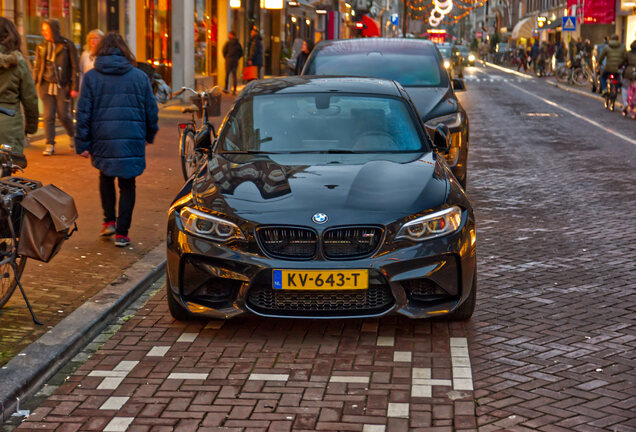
[116, 117]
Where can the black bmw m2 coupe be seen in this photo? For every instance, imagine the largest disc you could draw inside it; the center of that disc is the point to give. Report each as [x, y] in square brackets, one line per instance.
[322, 198]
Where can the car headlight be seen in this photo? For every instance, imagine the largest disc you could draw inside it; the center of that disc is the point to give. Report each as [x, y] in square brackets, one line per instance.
[205, 225]
[471, 57]
[446, 64]
[451, 120]
[433, 225]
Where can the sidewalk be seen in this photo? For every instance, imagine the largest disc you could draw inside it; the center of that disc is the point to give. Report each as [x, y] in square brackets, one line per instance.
[88, 263]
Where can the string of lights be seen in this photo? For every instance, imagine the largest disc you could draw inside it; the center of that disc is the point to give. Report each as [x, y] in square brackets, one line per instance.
[441, 11]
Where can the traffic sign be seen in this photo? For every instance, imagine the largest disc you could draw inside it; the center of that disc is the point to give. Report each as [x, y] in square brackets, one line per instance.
[569, 23]
[395, 19]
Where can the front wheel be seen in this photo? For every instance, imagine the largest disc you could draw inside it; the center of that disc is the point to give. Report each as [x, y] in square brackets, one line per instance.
[581, 77]
[8, 280]
[561, 74]
[189, 157]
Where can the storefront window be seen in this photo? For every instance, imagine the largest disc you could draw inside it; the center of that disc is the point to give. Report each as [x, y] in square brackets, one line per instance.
[158, 42]
[205, 37]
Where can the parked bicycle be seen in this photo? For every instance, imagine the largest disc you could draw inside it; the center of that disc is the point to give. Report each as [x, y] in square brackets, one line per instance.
[39, 233]
[205, 104]
[573, 73]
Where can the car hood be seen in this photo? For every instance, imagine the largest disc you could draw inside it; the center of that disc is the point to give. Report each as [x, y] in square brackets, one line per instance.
[433, 102]
[290, 189]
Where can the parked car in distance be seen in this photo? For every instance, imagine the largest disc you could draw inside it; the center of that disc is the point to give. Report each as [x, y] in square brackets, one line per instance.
[453, 61]
[418, 66]
[322, 198]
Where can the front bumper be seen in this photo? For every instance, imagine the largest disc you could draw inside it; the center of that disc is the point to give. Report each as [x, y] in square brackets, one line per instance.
[417, 280]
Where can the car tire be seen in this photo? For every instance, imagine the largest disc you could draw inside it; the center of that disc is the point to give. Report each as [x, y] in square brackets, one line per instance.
[466, 309]
[177, 311]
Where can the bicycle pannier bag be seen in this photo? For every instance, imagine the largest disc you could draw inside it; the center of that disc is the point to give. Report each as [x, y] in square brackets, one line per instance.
[49, 215]
[250, 73]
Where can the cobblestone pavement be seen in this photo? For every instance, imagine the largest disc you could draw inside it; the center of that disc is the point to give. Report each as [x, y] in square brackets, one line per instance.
[551, 346]
[87, 263]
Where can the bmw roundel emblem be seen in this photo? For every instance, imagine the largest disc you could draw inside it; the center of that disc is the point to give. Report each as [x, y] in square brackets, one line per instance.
[320, 218]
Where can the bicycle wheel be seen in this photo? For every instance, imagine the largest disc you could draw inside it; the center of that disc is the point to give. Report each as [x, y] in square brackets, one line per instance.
[580, 76]
[189, 159]
[8, 281]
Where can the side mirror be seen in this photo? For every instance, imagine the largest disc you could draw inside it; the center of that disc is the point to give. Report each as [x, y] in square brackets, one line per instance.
[459, 84]
[441, 138]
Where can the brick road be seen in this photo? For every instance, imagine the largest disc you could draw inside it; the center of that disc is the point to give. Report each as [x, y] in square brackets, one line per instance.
[550, 347]
[87, 260]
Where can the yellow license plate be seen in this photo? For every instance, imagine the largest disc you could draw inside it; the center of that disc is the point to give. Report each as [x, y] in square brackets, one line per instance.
[320, 279]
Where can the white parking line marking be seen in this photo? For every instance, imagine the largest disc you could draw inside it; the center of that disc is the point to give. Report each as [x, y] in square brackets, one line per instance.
[187, 337]
[114, 403]
[112, 374]
[592, 122]
[188, 376]
[116, 376]
[400, 410]
[268, 377]
[402, 356]
[350, 379]
[386, 340]
[158, 351]
[373, 428]
[109, 383]
[118, 424]
[126, 365]
[460, 361]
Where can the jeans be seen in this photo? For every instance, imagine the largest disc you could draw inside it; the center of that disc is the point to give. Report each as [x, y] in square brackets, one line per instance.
[60, 104]
[231, 73]
[126, 201]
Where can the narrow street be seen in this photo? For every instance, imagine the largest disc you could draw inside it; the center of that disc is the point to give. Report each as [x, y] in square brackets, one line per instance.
[551, 346]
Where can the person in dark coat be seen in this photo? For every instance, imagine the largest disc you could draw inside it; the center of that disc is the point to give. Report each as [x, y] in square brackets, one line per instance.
[16, 89]
[255, 51]
[56, 76]
[232, 52]
[116, 117]
[305, 50]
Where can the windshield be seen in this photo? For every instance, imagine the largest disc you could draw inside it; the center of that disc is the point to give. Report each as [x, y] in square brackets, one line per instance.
[408, 68]
[444, 50]
[464, 50]
[320, 123]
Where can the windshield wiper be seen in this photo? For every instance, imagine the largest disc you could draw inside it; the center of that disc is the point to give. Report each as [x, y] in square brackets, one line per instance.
[248, 152]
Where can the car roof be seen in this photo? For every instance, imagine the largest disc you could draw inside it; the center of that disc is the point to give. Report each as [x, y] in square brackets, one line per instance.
[344, 46]
[322, 84]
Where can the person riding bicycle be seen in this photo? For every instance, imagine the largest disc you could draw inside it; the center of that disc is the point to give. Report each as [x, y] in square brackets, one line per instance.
[615, 57]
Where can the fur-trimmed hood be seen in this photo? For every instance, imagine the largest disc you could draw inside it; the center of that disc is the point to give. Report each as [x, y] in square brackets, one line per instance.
[9, 60]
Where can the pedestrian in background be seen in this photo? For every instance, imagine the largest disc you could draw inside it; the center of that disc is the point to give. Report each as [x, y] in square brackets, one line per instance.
[232, 52]
[116, 117]
[305, 50]
[87, 59]
[534, 54]
[255, 51]
[56, 75]
[629, 82]
[16, 88]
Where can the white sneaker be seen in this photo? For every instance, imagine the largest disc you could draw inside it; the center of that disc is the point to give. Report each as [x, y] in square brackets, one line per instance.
[49, 150]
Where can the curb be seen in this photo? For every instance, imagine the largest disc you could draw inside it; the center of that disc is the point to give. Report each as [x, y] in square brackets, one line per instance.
[37, 363]
[581, 92]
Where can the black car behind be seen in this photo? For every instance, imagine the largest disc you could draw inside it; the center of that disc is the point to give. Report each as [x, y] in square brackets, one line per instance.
[419, 67]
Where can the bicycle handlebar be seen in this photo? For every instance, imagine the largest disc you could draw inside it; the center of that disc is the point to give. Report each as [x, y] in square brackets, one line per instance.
[7, 111]
[201, 94]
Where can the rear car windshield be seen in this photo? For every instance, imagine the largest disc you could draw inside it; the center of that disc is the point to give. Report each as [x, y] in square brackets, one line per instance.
[318, 122]
[408, 68]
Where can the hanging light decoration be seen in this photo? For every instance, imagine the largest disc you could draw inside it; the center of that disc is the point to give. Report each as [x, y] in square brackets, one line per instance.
[441, 9]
